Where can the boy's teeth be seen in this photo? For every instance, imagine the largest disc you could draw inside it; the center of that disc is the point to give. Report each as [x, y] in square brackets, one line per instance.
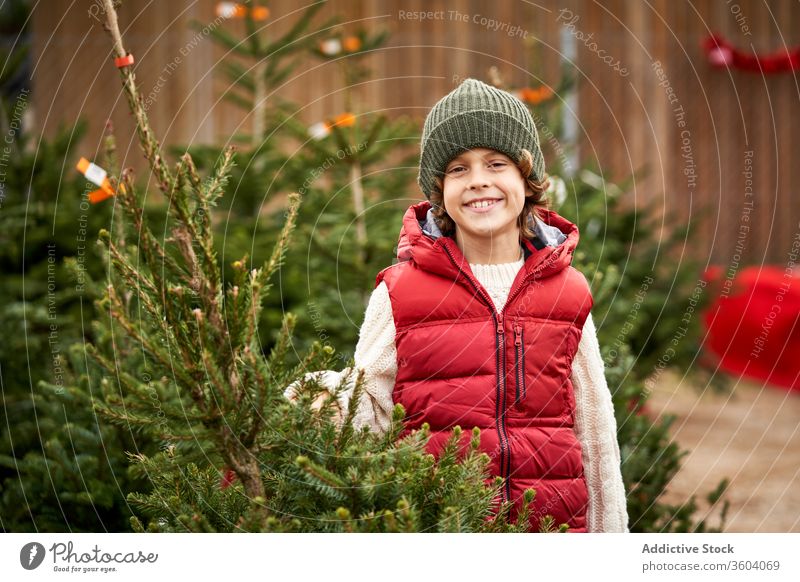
[482, 203]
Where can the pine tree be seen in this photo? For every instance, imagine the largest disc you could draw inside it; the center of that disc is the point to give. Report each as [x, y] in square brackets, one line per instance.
[650, 458]
[255, 66]
[198, 381]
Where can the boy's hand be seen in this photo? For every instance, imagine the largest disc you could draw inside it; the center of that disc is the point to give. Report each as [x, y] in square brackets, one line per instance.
[319, 401]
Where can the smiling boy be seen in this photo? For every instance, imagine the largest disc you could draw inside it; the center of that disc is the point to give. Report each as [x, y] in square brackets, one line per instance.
[484, 323]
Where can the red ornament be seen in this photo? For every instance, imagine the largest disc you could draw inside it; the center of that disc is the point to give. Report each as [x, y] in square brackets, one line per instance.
[722, 53]
[228, 477]
[720, 56]
[753, 324]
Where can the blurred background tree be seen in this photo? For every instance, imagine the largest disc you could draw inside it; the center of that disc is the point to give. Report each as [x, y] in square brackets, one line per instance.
[59, 470]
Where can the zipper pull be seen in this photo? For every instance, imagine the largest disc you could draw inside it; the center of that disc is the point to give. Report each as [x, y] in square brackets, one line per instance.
[517, 335]
[500, 324]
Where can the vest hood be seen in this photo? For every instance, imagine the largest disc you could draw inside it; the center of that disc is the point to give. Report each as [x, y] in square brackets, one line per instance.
[547, 252]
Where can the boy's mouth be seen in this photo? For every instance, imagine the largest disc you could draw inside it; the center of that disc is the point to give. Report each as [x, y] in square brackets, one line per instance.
[482, 204]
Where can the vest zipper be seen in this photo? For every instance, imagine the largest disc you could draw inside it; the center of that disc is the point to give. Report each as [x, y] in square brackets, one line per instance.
[522, 371]
[505, 453]
[500, 366]
[500, 403]
[519, 365]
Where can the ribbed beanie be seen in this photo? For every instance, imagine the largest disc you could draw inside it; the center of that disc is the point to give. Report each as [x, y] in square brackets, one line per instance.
[476, 115]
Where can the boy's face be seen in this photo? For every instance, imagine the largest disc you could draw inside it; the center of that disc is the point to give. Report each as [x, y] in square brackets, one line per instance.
[493, 181]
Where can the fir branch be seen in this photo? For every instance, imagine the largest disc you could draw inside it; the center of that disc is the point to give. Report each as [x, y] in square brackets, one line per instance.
[299, 27]
[280, 75]
[133, 276]
[191, 173]
[216, 185]
[347, 431]
[238, 100]
[277, 357]
[220, 396]
[322, 480]
[184, 241]
[178, 197]
[117, 311]
[155, 256]
[259, 370]
[281, 245]
[372, 136]
[165, 320]
[150, 146]
[206, 196]
[238, 75]
[124, 419]
[186, 175]
[259, 278]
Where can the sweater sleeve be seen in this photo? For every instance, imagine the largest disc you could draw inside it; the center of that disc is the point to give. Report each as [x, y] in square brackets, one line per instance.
[596, 429]
[376, 355]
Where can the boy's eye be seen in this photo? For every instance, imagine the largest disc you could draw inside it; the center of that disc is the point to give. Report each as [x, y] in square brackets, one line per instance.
[493, 165]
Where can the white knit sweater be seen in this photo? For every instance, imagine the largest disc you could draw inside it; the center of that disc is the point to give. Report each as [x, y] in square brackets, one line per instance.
[595, 425]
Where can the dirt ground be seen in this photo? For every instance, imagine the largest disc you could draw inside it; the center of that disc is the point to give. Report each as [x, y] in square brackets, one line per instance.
[750, 435]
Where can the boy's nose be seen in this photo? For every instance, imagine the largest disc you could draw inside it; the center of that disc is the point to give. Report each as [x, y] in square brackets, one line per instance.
[478, 179]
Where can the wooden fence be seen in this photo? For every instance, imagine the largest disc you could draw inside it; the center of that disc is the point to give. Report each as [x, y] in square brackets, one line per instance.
[647, 98]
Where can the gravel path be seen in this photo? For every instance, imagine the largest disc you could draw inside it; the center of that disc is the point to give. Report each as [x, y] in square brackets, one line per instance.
[751, 436]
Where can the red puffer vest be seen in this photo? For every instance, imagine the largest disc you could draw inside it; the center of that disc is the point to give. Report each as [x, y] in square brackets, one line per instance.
[461, 363]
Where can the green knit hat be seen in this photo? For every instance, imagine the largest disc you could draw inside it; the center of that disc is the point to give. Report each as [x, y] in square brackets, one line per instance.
[476, 115]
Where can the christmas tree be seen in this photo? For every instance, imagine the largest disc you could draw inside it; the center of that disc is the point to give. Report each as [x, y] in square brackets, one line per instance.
[255, 66]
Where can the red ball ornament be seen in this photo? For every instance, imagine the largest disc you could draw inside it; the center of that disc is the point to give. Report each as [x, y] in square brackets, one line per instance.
[228, 477]
[720, 56]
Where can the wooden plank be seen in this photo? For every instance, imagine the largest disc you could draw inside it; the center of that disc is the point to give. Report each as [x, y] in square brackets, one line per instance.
[786, 91]
[657, 105]
[699, 175]
[751, 87]
[612, 38]
[680, 72]
[637, 129]
[728, 191]
[594, 113]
